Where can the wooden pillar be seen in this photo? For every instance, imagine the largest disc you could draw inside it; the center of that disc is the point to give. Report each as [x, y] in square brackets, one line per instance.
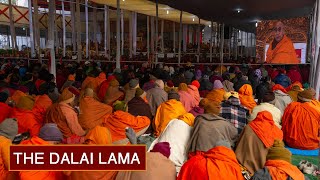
[180, 39]
[118, 56]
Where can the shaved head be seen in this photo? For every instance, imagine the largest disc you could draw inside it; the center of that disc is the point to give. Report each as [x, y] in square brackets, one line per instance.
[279, 31]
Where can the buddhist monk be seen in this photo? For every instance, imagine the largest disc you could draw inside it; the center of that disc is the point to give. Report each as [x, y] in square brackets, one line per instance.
[281, 49]
[89, 79]
[8, 130]
[256, 139]
[113, 93]
[193, 89]
[185, 98]
[300, 123]
[120, 119]
[64, 115]
[26, 119]
[246, 97]
[282, 98]
[294, 91]
[104, 87]
[49, 135]
[41, 104]
[131, 91]
[92, 112]
[70, 81]
[217, 93]
[219, 162]
[5, 109]
[167, 111]
[97, 136]
[156, 96]
[278, 165]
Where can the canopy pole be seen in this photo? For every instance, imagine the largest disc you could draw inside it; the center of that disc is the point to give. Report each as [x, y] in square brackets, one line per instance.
[118, 35]
[199, 41]
[51, 25]
[180, 39]
[122, 33]
[131, 19]
[157, 30]
[36, 29]
[211, 43]
[134, 32]
[108, 34]
[95, 25]
[221, 47]
[78, 24]
[148, 38]
[12, 28]
[105, 30]
[152, 38]
[87, 28]
[162, 40]
[174, 37]
[230, 43]
[73, 29]
[184, 37]
[31, 29]
[63, 29]
[56, 34]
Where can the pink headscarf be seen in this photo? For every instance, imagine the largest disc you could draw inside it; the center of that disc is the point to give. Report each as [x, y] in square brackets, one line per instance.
[217, 84]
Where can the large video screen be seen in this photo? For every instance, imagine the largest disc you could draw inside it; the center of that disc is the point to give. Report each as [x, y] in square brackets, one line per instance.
[283, 41]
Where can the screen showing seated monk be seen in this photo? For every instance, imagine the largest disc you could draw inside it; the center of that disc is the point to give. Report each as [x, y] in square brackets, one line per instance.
[282, 41]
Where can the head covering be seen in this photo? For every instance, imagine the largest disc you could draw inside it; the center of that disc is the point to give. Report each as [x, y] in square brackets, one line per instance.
[279, 87]
[114, 83]
[217, 84]
[25, 102]
[173, 95]
[3, 97]
[67, 96]
[313, 92]
[89, 92]
[139, 92]
[166, 68]
[306, 95]
[187, 118]
[159, 83]
[269, 97]
[98, 135]
[119, 106]
[195, 83]
[296, 87]
[170, 83]
[71, 77]
[210, 107]
[134, 83]
[205, 77]
[9, 128]
[279, 152]
[258, 73]
[163, 148]
[50, 132]
[227, 95]
[183, 87]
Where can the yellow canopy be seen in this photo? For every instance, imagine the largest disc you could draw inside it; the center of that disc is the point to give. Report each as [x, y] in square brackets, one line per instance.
[149, 8]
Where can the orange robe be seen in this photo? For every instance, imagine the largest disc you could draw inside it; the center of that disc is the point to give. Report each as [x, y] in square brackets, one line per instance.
[300, 125]
[246, 97]
[87, 81]
[35, 175]
[4, 159]
[17, 95]
[280, 170]
[167, 111]
[26, 121]
[92, 112]
[5, 111]
[218, 163]
[263, 126]
[119, 120]
[41, 104]
[283, 53]
[216, 95]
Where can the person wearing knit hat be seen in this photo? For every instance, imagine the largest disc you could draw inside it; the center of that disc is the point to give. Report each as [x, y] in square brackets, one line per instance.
[186, 98]
[193, 90]
[173, 95]
[120, 106]
[305, 96]
[159, 83]
[8, 131]
[267, 103]
[196, 83]
[278, 165]
[131, 91]
[217, 92]
[156, 96]
[140, 92]
[134, 83]
[50, 132]
[67, 96]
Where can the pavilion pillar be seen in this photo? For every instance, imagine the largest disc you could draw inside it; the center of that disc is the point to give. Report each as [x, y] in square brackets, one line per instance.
[134, 33]
[230, 42]
[33, 54]
[184, 35]
[118, 35]
[211, 43]
[95, 26]
[36, 29]
[174, 37]
[106, 35]
[157, 31]
[12, 28]
[56, 32]
[236, 44]
[221, 46]
[148, 37]
[73, 26]
[122, 32]
[199, 41]
[87, 28]
[78, 25]
[152, 38]
[180, 39]
[162, 37]
[131, 19]
[50, 44]
[63, 29]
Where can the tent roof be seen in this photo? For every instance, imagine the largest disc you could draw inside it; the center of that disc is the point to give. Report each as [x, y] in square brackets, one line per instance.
[149, 8]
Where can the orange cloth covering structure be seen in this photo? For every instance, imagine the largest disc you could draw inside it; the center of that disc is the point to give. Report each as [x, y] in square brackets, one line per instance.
[4, 159]
[41, 104]
[26, 121]
[217, 163]
[246, 97]
[87, 81]
[280, 170]
[35, 175]
[17, 95]
[167, 111]
[92, 112]
[216, 95]
[119, 120]
[97, 136]
[283, 53]
[5, 110]
[263, 126]
[300, 125]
